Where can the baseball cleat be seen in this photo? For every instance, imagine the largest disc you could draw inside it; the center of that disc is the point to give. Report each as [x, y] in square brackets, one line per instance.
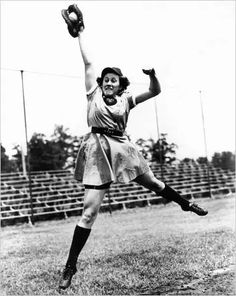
[193, 207]
[67, 275]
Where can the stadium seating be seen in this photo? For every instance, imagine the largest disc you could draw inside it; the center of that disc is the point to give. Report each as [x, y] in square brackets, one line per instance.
[55, 194]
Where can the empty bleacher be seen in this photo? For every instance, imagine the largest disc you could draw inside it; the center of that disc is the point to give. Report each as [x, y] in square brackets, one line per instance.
[55, 194]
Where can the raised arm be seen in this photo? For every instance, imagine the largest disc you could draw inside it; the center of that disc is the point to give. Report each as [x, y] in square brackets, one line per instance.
[74, 19]
[90, 77]
[154, 87]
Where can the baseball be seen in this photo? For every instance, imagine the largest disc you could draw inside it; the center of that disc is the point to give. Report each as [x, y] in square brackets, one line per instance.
[73, 16]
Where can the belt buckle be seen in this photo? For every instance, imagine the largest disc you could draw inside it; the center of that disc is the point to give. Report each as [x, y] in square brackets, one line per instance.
[110, 131]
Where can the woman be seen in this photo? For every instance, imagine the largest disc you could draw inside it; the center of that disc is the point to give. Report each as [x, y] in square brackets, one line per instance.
[106, 154]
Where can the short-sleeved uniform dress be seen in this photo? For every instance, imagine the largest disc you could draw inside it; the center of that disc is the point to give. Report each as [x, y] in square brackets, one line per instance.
[101, 158]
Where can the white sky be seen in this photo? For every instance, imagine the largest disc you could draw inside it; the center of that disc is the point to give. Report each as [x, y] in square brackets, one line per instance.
[191, 45]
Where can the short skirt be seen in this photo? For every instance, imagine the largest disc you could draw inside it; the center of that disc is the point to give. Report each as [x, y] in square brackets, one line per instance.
[103, 159]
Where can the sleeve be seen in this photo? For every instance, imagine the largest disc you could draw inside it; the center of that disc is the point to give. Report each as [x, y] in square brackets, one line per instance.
[131, 101]
[91, 92]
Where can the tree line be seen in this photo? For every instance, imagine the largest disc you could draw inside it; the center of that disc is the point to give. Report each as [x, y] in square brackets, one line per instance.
[60, 152]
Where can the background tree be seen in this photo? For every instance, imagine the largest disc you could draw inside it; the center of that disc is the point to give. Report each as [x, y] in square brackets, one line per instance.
[17, 157]
[202, 160]
[60, 143]
[41, 153]
[58, 152]
[188, 160]
[160, 151]
[67, 145]
[224, 160]
[7, 165]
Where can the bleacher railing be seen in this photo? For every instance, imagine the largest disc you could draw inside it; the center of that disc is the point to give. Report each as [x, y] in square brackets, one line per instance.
[55, 194]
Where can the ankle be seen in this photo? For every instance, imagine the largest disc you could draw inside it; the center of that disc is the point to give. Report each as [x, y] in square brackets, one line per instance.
[71, 266]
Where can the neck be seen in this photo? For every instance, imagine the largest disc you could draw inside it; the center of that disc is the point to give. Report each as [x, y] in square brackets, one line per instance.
[109, 100]
[108, 96]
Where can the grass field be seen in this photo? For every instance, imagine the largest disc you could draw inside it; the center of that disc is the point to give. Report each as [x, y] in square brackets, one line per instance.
[156, 250]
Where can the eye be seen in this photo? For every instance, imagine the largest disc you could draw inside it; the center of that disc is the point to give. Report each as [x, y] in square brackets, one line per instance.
[106, 79]
[113, 80]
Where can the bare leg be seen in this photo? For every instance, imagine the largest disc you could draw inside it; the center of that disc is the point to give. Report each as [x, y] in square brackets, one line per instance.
[92, 202]
[149, 181]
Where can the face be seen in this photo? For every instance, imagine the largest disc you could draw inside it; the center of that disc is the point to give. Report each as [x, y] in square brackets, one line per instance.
[110, 84]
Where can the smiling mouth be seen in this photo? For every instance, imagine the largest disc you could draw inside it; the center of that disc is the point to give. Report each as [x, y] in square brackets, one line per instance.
[109, 91]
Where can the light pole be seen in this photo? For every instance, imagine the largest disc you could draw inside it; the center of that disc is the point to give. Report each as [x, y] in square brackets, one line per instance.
[205, 143]
[160, 142]
[27, 151]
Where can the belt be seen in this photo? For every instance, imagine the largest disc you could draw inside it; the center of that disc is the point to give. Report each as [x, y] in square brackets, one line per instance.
[107, 131]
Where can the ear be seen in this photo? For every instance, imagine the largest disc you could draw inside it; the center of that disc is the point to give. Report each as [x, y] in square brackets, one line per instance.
[99, 81]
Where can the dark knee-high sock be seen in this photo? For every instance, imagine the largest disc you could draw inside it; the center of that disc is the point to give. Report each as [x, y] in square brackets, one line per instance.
[79, 239]
[170, 194]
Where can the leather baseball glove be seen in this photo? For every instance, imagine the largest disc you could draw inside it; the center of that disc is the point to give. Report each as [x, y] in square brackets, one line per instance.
[74, 26]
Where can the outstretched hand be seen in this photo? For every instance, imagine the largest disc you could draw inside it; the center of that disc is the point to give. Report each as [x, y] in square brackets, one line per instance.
[74, 20]
[150, 72]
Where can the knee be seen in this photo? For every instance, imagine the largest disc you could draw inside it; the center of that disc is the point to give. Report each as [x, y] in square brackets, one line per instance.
[156, 184]
[88, 217]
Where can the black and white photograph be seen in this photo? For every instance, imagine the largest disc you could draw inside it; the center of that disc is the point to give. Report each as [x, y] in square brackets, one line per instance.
[117, 147]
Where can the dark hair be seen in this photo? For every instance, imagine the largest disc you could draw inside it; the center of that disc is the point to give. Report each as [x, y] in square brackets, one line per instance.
[124, 83]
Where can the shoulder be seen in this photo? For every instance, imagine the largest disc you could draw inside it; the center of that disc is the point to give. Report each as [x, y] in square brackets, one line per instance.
[129, 98]
[95, 90]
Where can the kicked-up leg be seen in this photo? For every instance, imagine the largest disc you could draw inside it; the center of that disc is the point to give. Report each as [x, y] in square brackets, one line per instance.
[149, 181]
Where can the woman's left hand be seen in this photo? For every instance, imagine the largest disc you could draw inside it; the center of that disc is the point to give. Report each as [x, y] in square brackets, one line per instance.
[150, 72]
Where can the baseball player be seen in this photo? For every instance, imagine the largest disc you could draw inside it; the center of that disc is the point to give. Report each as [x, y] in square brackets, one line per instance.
[106, 154]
